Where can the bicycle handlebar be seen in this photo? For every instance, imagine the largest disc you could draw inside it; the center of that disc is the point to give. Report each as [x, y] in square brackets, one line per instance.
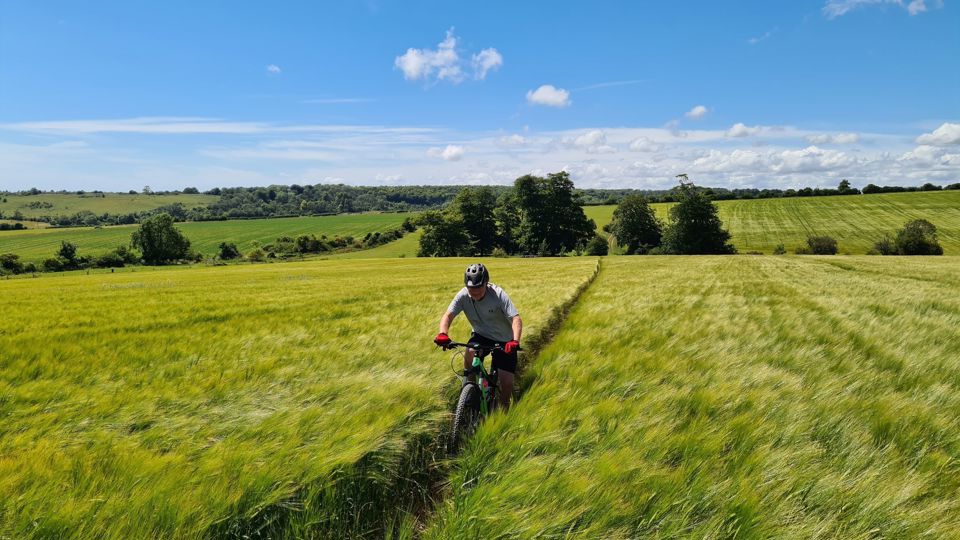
[478, 347]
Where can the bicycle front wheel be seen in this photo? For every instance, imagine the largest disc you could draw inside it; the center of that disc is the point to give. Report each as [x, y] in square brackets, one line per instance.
[465, 417]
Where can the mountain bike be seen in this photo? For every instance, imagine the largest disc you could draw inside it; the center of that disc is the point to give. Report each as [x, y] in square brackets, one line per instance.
[477, 398]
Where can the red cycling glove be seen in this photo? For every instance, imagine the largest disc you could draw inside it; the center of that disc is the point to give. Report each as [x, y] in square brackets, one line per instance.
[511, 346]
[442, 340]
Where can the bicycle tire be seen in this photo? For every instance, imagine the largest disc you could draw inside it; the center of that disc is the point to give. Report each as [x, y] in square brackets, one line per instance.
[465, 417]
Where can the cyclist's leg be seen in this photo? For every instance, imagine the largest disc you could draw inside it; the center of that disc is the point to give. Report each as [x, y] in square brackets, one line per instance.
[468, 363]
[506, 366]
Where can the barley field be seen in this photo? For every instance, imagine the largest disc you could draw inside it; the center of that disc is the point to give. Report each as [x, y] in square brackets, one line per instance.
[205, 236]
[110, 203]
[856, 221]
[732, 397]
[255, 401]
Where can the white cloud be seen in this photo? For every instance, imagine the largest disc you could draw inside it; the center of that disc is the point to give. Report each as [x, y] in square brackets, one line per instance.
[836, 8]
[550, 96]
[946, 135]
[512, 140]
[442, 63]
[741, 130]
[273, 69]
[810, 159]
[837, 138]
[175, 125]
[697, 112]
[594, 142]
[917, 6]
[452, 152]
[485, 61]
[644, 144]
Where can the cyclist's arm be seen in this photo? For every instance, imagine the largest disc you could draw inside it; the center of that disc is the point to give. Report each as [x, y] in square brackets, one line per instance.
[445, 321]
[517, 325]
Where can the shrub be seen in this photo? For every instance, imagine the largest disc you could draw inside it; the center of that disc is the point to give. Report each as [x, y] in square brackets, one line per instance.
[499, 253]
[53, 264]
[228, 251]
[918, 237]
[111, 259]
[256, 255]
[820, 245]
[884, 246]
[597, 246]
[779, 250]
[11, 263]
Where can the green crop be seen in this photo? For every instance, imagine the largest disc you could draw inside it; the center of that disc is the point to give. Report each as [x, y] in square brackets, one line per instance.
[204, 236]
[57, 204]
[234, 401]
[856, 221]
[732, 397]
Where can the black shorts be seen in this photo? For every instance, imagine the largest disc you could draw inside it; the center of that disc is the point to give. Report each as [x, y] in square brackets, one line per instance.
[501, 360]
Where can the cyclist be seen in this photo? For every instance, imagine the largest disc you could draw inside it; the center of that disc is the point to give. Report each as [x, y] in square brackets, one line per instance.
[494, 319]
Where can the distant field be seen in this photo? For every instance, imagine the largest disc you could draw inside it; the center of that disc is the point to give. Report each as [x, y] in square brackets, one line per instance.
[855, 221]
[28, 224]
[732, 397]
[250, 401]
[204, 236]
[110, 203]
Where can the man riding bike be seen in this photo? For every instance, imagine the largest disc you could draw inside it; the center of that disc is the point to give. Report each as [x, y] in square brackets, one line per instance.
[494, 319]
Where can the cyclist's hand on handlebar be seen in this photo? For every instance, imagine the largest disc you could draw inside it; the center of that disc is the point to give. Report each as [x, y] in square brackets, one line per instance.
[511, 346]
[442, 340]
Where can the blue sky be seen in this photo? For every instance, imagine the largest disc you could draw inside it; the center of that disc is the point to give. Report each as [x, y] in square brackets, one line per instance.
[118, 95]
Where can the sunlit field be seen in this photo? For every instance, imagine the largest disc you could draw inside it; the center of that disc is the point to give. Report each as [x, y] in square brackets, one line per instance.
[205, 236]
[56, 204]
[241, 401]
[732, 397]
[856, 221]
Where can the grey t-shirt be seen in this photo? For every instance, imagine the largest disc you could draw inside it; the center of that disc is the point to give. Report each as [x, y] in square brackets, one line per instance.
[491, 316]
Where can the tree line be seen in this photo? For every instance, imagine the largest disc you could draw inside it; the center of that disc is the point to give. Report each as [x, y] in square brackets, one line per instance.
[322, 199]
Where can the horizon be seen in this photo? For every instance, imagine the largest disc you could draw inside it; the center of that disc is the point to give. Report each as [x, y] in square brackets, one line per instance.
[113, 97]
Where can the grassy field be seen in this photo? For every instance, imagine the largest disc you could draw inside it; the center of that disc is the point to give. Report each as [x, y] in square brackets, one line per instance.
[732, 397]
[240, 401]
[205, 236]
[855, 221]
[110, 203]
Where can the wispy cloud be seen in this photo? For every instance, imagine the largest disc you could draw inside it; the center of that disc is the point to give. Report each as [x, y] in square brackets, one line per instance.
[188, 125]
[609, 84]
[765, 36]
[273, 69]
[336, 101]
[837, 8]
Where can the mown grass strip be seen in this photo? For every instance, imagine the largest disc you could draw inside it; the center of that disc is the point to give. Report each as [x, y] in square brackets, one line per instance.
[294, 399]
[748, 397]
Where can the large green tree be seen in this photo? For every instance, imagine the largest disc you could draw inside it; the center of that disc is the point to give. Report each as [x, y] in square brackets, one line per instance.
[476, 208]
[444, 235]
[551, 214]
[159, 241]
[635, 225]
[695, 228]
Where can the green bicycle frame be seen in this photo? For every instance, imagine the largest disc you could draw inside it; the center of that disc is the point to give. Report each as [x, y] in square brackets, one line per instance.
[485, 389]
